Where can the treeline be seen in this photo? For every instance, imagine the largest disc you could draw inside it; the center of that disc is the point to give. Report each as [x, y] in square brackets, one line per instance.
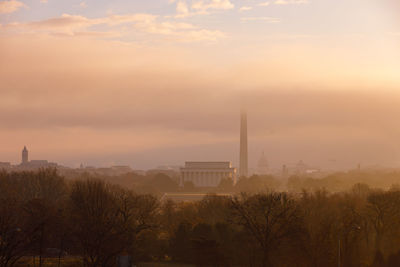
[158, 183]
[43, 215]
[343, 181]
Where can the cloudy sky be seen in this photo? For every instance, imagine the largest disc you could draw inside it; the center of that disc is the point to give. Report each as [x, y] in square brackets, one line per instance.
[155, 82]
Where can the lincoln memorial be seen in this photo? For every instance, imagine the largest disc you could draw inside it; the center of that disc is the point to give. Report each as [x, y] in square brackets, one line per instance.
[207, 174]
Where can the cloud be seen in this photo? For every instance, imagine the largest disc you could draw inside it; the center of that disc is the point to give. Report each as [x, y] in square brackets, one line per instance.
[182, 32]
[203, 6]
[82, 4]
[10, 6]
[201, 35]
[245, 8]
[182, 9]
[199, 7]
[43, 1]
[291, 2]
[265, 19]
[176, 31]
[124, 19]
[164, 28]
[76, 25]
[65, 24]
[264, 4]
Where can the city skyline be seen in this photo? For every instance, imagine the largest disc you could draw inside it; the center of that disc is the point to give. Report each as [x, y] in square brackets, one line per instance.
[199, 133]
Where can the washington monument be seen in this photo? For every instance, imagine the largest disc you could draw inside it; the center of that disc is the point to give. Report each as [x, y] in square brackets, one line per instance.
[243, 164]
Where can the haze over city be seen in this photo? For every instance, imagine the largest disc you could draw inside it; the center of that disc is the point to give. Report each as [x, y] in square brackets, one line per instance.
[146, 83]
[199, 133]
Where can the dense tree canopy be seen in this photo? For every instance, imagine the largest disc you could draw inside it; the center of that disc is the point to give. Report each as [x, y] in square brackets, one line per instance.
[46, 217]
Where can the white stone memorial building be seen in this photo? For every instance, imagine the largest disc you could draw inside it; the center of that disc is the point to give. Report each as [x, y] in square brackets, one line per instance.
[207, 174]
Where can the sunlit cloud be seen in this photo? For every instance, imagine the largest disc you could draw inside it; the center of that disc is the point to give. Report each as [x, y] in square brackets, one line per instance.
[291, 2]
[182, 9]
[76, 25]
[264, 19]
[245, 8]
[66, 24]
[10, 6]
[186, 9]
[204, 6]
[264, 4]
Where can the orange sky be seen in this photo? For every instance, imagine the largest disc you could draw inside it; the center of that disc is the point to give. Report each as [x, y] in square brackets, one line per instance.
[152, 84]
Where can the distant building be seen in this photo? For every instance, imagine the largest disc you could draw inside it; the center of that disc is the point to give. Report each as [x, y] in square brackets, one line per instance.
[207, 174]
[24, 156]
[107, 171]
[36, 164]
[5, 165]
[262, 166]
[33, 164]
[301, 167]
[121, 169]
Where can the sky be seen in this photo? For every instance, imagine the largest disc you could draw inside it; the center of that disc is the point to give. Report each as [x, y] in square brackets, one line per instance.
[148, 83]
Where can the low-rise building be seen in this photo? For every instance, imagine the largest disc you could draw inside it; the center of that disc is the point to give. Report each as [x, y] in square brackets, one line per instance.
[207, 174]
[5, 165]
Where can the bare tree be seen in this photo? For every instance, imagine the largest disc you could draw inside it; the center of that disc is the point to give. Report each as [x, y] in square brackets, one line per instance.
[108, 220]
[13, 236]
[136, 214]
[383, 214]
[271, 219]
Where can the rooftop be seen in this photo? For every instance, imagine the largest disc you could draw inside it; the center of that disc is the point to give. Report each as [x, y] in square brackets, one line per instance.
[208, 165]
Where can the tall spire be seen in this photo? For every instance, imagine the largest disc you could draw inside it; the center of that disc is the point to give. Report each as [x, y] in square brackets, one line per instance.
[24, 155]
[243, 168]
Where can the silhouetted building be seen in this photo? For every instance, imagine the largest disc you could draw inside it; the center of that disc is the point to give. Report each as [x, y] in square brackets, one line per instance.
[5, 165]
[262, 166]
[24, 156]
[33, 164]
[243, 160]
[41, 164]
[207, 174]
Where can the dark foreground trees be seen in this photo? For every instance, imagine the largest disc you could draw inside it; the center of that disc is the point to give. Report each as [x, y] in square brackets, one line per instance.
[273, 220]
[44, 216]
[41, 212]
[110, 220]
[13, 243]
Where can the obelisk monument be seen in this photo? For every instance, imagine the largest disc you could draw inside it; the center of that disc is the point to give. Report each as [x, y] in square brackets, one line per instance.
[243, 161]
